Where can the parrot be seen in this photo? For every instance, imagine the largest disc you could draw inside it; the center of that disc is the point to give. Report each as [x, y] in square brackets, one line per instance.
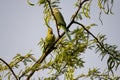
[50, 38]
[60, 21]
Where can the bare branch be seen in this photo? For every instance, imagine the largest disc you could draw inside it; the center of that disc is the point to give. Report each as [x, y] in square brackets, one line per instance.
[9, 68]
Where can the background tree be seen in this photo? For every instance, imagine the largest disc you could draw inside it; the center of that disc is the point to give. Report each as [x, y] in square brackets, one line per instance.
[63, 57]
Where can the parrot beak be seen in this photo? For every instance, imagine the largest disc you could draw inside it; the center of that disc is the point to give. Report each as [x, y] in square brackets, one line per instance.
[50, 30]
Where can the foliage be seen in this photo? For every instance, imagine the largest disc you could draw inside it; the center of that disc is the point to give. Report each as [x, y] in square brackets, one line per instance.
[63, 57]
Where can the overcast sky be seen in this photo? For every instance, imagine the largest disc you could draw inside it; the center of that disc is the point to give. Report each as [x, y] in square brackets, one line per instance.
[21, 27]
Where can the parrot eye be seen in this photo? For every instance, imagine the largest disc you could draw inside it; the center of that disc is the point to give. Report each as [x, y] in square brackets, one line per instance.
[55, 10]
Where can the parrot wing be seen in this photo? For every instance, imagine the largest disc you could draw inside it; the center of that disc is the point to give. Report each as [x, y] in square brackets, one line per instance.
[59, 17]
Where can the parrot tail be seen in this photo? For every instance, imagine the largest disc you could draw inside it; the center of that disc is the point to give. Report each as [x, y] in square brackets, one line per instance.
[66, 32]
[68, 36]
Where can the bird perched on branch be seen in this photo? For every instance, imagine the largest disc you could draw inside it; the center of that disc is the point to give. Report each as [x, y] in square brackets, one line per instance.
[60, 21]
[50, 38]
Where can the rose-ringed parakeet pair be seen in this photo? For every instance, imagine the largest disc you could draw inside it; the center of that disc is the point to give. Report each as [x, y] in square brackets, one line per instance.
[60, 21]
[50, 38]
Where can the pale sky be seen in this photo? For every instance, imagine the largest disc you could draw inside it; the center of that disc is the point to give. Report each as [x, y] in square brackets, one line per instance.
[21, 27]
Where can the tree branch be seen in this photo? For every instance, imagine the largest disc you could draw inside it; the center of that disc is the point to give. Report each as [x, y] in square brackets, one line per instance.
[96, 39]
[76, 13]
[9, 68]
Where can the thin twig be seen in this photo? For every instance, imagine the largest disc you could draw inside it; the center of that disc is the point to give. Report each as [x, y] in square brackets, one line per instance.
[9, 68]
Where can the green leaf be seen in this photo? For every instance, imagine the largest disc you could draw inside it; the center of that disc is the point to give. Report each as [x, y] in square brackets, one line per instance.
[30, 3]
[86, 9]
[93, 24]
[99, 4]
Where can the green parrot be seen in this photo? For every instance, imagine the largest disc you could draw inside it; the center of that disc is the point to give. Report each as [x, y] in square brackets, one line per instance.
[50, 38]
[60, 21]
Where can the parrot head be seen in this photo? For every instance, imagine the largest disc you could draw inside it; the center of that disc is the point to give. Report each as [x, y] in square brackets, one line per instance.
[55, 10]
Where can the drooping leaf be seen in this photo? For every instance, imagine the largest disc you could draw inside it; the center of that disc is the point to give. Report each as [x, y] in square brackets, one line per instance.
[31, 4]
